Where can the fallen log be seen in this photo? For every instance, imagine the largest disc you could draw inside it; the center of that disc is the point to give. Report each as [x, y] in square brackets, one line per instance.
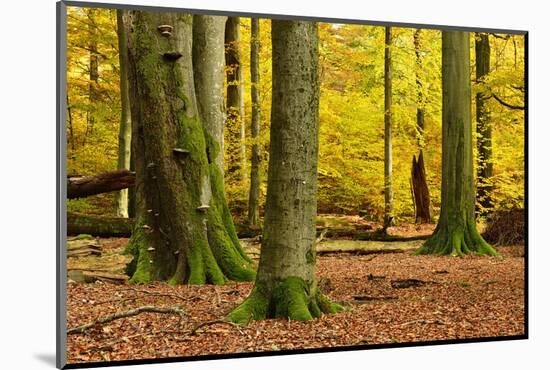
[99, 225]
[84, 186]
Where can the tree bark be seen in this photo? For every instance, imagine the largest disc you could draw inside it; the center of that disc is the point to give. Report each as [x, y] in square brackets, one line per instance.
[125, 130]
[285, 284]
[254, 193]
[483, 127]
[235, 90]
[421, 193]
[420, 190]
[208, 71]
[93, 72]
[99, 225]
[85, 186]
[388, 191]
[456, 232]
[181, 233]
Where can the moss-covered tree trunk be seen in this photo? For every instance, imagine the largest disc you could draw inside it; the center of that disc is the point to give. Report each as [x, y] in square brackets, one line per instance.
[254, 193]
[285, 284]
[420, 190]
[235, 93]
[181, 233]
[388, 191]
[483, 126]
[125, 130]
[456, 232]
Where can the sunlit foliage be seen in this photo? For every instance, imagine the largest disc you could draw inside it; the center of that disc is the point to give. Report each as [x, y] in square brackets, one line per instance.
[352, 125]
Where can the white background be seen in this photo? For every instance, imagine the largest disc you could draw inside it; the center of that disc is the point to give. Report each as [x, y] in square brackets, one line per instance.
[27, 193]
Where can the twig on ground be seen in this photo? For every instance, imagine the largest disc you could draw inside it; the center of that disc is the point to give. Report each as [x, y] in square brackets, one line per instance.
[119, 315]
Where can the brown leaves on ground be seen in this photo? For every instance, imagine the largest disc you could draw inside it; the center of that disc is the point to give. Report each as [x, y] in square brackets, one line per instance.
[469, 297]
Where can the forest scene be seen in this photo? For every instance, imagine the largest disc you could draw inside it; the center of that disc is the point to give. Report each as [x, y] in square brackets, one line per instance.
[242, 185]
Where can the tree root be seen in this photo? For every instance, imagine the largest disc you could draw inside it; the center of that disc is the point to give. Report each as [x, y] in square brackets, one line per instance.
[290, 299]
[119, 315]
[457, 242]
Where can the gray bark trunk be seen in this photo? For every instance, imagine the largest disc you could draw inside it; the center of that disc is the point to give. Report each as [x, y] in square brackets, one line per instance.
[208, 70]
[388, 191]
[235, 89]
[125, 131]
[456, 232]
[483, 126]
[286, 284]
[254, 194]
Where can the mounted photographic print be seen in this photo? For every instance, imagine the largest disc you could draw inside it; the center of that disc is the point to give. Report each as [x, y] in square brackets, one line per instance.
[239, 184]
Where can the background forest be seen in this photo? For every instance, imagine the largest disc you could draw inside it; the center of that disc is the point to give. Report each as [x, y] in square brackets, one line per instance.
[351, 160]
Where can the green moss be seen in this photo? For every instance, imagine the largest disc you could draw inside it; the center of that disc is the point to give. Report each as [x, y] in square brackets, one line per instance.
[140, 267]
[254, 307]
[457, 243]
[291, 299]
[83, 236]
[326, 305]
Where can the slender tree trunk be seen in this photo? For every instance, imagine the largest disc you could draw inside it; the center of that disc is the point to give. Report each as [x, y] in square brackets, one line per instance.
[235, 89]
[388, 192]
[456, 232]
[70, 119]
[125, 130]
[181, 233]
[93, 73]
[254, 194]
[421, 193]
[286, 285]
[132, 191]
[483, 127]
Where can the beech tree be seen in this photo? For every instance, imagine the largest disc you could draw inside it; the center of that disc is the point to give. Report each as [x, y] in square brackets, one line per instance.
[235, 90]
[254, 193]
[182, 232]
[456, 233]
[125, 131]
[388, 191]
[285, 284]
[483, 125]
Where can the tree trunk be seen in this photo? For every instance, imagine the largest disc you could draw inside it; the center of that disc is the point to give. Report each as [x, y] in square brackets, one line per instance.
[388, 192]
[93, 72]
[208, 70]
[235, 90]
[125, 131]
[285, 284]
[70, 122]
[456, 232]
[99, 225]
[254, 194]
[181, 233]
[421, 192]
[85, 186]
[483, 127]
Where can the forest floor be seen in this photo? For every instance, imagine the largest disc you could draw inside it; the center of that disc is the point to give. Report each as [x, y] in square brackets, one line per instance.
[392, 298]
